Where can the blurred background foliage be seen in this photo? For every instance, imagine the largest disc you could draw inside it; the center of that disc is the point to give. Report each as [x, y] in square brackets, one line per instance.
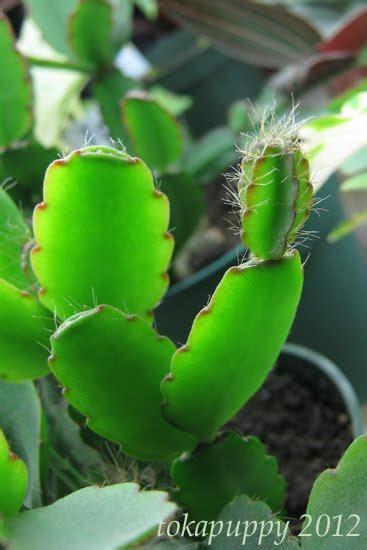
[199, 60]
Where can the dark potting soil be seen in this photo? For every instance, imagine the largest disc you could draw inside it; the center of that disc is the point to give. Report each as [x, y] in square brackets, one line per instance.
[301, 418]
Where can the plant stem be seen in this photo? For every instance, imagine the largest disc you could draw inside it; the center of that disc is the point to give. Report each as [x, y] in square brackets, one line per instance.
[54, 64]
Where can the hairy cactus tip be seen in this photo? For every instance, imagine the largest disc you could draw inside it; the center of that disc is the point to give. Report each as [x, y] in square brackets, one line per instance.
[273, 189]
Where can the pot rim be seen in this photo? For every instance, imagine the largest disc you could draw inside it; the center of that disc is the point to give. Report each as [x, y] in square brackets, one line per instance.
[338, 378]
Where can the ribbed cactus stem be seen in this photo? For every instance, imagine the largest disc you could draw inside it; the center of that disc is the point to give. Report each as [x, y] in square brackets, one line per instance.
[275, 195]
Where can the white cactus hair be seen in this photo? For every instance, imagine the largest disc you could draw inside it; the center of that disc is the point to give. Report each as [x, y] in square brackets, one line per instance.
[270, 129]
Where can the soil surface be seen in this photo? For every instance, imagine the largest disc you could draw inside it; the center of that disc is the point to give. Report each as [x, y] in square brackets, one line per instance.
[300, 416]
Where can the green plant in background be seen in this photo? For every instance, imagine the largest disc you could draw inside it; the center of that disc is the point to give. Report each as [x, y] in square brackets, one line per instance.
[142, 123]
[101, 253]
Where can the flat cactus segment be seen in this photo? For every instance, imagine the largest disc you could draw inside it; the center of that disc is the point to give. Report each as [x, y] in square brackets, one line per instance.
[214, 474]
[252, 512]
[99, 206]
[15, 99]
[14, 234]
[276, 194]
[340, 495]
[24, 336]
[233, 344]
[13, 479]
[155, 134]
[109, 90]
[90, 32]
[119, 516]
[111, 366]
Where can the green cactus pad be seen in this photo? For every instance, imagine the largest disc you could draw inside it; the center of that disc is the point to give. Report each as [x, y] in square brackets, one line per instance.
[109, 90]
[13, 479]
[116, 517]
[101, 234]
[156, 135]
[25, 334]
[276, 195]
[90, 32]
[214, 474]
[15, 98]
[111, 366]
[14, 234]
[233, 344]
[246, 511]
[340, 494]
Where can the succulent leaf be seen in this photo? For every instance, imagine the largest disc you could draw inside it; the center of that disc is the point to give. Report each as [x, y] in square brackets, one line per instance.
[25, 331]
[109, 90]
[118, 516]
[22, 427]
[276, 194]
[233, 344]
[26, 165]
[101, 234]
[155, 134]
[52, 20]
[340, 494]
[245, 511]
[92, 41]
[15, 99]
[214, 474]
[14, 234]
[13, 479]
[111, 365]
[186, 203]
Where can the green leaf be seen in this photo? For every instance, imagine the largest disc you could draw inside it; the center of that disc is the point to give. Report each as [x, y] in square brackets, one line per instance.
[171, 544]
[123, 12]
[122, 400]
[214, 474]
[230, 350]
[209, 157]
[148, 7]
[355, 163]
[176, 104]
[340, 495]
[355, 183]
[52, 19]
[22, 427]
[13, 479]
[187, 205]
[24, 335]
[156, 135]
[99, 206]
[337, 104]
[258, 33]
[64, 433]
[109, 90]
[119, 516]
[14, 234]
[258, 528]
[92, 42]
[347, 226]
[329, 141]
[15, 96]
[238, 116]
[26, 165]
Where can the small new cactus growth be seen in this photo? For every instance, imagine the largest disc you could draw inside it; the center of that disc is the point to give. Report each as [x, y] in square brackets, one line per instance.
[274, 189]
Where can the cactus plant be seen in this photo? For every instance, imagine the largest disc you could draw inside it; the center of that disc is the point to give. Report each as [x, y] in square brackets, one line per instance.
[100, 257]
